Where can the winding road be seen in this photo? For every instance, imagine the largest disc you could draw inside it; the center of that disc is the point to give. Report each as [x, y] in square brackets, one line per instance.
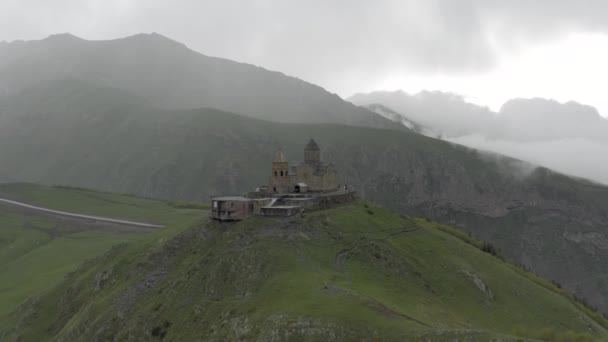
[88, 217]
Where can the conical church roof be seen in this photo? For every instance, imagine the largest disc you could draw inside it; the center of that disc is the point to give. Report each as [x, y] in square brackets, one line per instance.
[312, 145]
[279, 157]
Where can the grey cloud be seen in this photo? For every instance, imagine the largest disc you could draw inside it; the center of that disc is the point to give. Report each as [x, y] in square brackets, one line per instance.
[329, 42]
[579, 157]
[544, 17]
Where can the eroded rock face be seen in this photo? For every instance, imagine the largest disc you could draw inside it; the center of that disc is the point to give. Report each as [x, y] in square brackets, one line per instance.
[102, 278]
[595, 240]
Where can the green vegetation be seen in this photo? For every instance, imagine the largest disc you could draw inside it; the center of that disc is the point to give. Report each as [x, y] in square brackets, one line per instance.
[89, 202]
[37, 250]
[188, 205]
[342, 273]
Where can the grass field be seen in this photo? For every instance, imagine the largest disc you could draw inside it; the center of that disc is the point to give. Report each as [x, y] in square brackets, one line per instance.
[357, 272]
[83, 201]
[37, 251]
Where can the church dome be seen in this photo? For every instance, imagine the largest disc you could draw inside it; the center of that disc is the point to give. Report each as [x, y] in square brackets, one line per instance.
[312, 145]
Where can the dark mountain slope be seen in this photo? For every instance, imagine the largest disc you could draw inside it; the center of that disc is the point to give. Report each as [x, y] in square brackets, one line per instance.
[354, 273]
[170, 75]
[102, 138]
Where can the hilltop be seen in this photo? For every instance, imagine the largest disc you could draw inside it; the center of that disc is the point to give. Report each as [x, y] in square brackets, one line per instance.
[357, 272]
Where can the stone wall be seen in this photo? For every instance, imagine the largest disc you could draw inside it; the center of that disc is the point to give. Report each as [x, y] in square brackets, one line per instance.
[327, 182]
[326, 202]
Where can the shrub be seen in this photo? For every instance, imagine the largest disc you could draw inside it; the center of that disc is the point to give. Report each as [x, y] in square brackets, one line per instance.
[188, 205]
[489, 248]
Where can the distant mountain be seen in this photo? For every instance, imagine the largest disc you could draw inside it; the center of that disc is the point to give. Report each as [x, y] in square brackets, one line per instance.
[567, 137]
[545, 120]
[522, 120]
[78, 134]
[357, 272]
[445, 113]
[171, 76]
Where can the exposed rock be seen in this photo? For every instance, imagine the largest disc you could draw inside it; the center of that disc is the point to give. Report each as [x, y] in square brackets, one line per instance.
[595, 239]
[479, 283]
[101, 279]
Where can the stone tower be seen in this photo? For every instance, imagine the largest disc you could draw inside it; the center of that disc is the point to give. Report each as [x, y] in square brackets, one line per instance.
[279, 182]
[312, 153]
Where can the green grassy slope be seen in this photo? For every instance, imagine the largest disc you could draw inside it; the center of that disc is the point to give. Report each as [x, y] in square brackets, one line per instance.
[90, 202]
[357, 272]
[80, 135]
[38, 250]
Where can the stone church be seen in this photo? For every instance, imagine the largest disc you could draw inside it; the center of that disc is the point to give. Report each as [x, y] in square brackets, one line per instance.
[311, 175]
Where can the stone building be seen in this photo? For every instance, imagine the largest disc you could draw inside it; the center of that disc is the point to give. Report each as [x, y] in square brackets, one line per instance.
[292, 189]
[236, 208]
[311, 175]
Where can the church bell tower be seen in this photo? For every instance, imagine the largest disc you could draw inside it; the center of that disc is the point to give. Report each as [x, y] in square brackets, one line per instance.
[280, 168]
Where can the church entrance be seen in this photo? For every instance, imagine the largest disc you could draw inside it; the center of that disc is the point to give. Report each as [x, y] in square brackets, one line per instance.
[300, 187]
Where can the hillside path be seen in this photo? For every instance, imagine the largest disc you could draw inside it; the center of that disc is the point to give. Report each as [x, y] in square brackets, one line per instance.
[88, 217]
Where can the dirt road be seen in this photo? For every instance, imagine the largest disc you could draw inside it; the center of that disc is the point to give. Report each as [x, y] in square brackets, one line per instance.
[80, 216]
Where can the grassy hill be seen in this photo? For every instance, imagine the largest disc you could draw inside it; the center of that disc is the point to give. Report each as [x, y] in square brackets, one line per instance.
[81, 135]
[37, 250]
[358, 272]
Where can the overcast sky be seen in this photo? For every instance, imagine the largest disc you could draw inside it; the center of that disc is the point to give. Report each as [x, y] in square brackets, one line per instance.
[487, 50]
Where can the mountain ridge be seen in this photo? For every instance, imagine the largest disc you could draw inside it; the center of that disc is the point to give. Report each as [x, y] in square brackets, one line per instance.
[172, 76]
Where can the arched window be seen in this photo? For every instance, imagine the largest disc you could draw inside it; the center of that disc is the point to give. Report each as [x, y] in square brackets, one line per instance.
[281, 173]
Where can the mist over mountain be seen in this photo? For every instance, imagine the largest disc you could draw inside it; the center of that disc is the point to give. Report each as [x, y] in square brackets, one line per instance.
[568, 137]
[171, 76]
[398, 118]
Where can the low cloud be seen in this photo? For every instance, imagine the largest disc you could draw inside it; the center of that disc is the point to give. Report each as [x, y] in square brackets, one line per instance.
[577, 157]
[571, 138]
